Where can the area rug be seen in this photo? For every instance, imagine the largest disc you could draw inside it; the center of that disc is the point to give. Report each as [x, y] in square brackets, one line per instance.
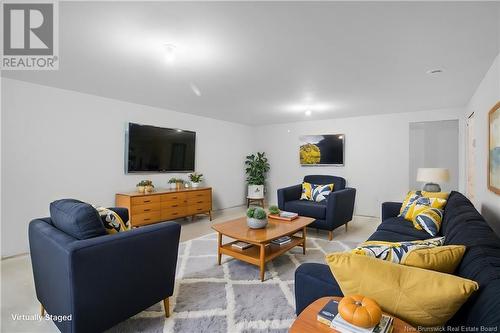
[230, 297]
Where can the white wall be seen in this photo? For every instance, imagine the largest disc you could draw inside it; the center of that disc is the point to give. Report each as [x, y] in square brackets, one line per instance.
[376, 154]
[486, 95]
[61, 144]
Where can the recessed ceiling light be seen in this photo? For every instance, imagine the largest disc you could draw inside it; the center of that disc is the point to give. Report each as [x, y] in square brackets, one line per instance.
[170, 53]
[434, 71]
[308, 112]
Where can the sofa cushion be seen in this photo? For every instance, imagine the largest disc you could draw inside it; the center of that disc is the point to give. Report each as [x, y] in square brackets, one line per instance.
[418, 296]
[463, 225]
[339, 182]
[307, 208]
[76, 218]
[397, 229]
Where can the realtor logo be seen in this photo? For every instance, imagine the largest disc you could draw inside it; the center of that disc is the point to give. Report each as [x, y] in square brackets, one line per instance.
[30, 40]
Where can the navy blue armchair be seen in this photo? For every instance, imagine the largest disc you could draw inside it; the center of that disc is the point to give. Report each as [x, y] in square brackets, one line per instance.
[331, 213]
[103, 280]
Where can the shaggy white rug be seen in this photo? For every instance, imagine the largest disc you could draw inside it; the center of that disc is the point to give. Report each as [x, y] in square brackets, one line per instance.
[230, 298]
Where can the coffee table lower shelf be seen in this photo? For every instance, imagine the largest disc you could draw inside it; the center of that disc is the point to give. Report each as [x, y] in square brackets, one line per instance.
[259, 254]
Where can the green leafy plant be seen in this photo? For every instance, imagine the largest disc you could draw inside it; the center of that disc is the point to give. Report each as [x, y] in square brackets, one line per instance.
[250, 212]
[172, 180]
[145, 183]
[274, 210]
[256, 167]
[259, 213]
[196, 177]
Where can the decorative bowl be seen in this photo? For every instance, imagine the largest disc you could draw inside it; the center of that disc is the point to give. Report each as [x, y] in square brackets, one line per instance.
[254, 223]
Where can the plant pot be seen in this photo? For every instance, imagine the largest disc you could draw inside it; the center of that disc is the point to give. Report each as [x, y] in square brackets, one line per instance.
[178, 186]
[149, 189]
[173, 186]
[195, 184]
[141, 189]
[255, 191]
[254, 223]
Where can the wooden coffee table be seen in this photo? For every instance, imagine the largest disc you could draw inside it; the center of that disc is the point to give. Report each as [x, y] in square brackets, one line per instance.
[307, 322]
[262, 250]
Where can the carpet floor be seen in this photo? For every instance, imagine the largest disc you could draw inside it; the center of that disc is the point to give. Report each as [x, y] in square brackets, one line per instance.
[230, 297]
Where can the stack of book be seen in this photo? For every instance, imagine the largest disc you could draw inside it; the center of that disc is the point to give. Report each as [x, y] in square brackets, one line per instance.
[282, 240]
[330, 316]
[241, 245]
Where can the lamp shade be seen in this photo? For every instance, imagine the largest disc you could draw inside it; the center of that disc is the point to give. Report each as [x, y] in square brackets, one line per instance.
[433, 175]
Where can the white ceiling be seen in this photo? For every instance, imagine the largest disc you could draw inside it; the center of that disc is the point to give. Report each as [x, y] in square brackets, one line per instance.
[266, 62]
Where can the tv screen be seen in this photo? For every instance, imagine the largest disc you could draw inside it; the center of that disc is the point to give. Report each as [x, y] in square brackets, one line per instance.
[325, 149]
[156, 149]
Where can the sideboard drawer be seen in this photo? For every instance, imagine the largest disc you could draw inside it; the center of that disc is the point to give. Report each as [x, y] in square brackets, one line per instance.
[140, 209]
[146, 218]
[173, 204]
[173, 213]
[147, 199]
[173, 197]
[197, 209]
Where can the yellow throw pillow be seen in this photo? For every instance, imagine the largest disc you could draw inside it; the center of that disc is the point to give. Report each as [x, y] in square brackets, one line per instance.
[112, 222]
[418, 296]
[395, 252]
[306, 191]
[428, 219]
[422, 199]
[443, 259]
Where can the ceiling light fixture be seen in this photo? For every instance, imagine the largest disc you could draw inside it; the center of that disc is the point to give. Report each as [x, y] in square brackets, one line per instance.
[170, 53]
[308, 112]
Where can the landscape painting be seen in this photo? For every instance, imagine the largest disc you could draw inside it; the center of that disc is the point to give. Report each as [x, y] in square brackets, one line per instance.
[494, 149]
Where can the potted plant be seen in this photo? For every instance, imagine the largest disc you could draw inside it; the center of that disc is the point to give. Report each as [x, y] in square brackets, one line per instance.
[178, 183]
[145, 186]
[256, 167]
[195, 179]
[274, 210]
[172, 183]
[256, 218]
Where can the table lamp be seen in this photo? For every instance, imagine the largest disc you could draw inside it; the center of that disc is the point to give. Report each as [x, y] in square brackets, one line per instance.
[432, 177]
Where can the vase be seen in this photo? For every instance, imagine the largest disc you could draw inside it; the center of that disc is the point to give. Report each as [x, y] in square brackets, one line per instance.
[195, 184]
[140, 189]
[148, 189]
[254, 223]
[178, 186]
[255, 191]
[173, 186]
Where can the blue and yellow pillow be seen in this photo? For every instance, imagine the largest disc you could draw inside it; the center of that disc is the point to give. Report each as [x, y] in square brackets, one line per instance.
[315, 192]
[112, 222]
[395, 252]
[428, 219]
[419, 199]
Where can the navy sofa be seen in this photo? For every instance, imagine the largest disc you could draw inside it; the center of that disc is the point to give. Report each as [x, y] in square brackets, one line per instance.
[331, 213]
[462, 225]
[101, 281]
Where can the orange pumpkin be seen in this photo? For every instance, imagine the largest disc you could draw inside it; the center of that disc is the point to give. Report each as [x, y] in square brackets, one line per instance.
[360, 311]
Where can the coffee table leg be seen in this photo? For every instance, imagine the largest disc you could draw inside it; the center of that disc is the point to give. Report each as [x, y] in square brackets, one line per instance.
[304, 241]
[262, 261]
[219, 245]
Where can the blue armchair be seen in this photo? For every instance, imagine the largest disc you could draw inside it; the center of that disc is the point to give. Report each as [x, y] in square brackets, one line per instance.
[101, 281]
[331, 213]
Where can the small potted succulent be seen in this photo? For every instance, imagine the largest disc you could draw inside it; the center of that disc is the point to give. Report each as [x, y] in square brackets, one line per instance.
[172, 183]
[274, 210]
[195, 179]
[256, 218]
[145, 186]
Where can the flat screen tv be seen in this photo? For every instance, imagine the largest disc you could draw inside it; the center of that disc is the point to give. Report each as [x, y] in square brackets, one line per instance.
[327, 149]
[157, 149]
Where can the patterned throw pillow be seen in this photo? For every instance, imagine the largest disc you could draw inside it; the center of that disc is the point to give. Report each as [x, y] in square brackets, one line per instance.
[416, 201]
[314, 192]
[428, 219]
[394, 252]
[113, 223]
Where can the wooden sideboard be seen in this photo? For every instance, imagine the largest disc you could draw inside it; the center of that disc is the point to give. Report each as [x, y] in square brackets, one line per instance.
[164, 204]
